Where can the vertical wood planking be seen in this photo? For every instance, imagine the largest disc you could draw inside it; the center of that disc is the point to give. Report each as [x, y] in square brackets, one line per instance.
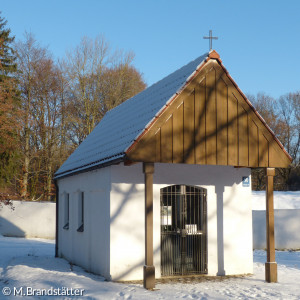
[253, 144]
[158, 146]
[212, 125]
[222, 95]
[151, 153]
[166, 141]
[211, 118]
[189, 126]
[243, 136]
[200, 124]
[273, 157]
[263, 150]
[178, 135]
[232, 130]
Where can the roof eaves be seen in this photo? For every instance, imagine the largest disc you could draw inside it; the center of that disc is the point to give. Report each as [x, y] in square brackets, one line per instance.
[95, 165]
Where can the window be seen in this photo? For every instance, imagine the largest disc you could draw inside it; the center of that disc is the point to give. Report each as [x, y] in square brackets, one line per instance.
[81, 212]
[66, 211]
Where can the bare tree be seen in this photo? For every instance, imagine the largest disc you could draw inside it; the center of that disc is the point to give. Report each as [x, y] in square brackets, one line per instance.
[98, 80]
[121, 82]
[46, 112]
[84, 67]
[62, 103]
[29, 54]
[40, 83]
[288, 106]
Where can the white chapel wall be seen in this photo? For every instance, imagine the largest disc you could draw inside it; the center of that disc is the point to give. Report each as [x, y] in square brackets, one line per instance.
[90, 248]
[225, 195]
[238, 225]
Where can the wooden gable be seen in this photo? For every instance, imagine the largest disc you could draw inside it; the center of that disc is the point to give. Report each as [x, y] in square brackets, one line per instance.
[210, 123]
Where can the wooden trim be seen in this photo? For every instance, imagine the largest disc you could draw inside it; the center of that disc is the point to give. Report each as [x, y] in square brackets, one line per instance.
[129, 163]
[270, 266]
[215, 55]
[149, 269]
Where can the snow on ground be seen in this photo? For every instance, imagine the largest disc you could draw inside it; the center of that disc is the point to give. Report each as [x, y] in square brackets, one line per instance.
[282, 200]
[31, 263]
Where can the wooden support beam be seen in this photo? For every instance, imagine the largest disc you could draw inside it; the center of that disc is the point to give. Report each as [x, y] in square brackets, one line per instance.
[149, 269]
[270, 266]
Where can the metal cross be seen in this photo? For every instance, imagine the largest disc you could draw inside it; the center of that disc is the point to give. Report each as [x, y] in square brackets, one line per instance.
[210, 38]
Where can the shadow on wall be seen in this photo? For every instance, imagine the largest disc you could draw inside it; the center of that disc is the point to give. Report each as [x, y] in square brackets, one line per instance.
[9, 229]
[168, 174]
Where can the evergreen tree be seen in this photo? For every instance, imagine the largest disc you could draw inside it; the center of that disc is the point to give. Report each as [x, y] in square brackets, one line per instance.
[7, 55]
[9, 106]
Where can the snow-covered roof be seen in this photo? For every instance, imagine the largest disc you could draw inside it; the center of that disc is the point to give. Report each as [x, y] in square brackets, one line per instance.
[121, 126]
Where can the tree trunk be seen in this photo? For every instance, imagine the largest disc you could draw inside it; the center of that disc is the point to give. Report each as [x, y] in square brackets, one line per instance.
[24, 190]
[49, 180]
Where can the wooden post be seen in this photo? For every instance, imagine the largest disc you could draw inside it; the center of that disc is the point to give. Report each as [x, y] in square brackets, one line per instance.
[270, 266]
[149, 269]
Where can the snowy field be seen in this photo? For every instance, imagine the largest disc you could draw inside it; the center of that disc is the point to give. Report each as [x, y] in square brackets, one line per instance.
[30, 263]
[282, 200]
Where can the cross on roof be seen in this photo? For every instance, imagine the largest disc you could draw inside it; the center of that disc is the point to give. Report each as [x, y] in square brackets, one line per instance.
[210, 38]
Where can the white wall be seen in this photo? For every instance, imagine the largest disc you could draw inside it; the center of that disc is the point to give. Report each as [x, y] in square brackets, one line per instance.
[287, 229]
[112, 243]
[90, 248]
[225, 195]
[28, 219]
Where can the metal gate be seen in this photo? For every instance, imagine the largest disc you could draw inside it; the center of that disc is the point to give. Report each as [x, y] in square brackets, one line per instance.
[183, 230]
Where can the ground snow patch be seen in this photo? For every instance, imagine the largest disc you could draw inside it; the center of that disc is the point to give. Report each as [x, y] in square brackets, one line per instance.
[31, 262]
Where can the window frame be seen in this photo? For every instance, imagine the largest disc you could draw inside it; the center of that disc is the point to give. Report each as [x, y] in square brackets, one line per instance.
[67, 211]
[81, 212]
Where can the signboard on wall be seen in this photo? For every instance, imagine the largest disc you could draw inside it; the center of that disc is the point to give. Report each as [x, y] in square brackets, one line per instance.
[246, 181]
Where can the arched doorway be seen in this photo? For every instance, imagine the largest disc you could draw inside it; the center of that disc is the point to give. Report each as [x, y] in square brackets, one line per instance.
[183, 230]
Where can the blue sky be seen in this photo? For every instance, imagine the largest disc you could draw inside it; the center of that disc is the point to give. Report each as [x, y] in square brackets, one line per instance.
[259, 41]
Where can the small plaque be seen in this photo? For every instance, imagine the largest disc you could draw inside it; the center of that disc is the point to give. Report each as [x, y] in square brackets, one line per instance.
[246, 181]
